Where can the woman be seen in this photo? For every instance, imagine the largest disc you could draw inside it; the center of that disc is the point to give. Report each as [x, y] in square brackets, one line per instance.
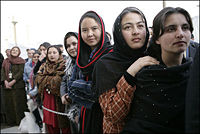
[32, 89]
[14, 87]
[49, 79]
[111, 71]
[43, 51]
[158, 105]
[92, 44]
[70, 43]
[28, 67]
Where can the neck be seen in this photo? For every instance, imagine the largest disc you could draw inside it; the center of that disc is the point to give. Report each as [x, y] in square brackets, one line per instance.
[172, 59]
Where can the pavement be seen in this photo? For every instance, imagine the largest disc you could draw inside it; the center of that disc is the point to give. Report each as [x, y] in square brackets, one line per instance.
[7, 129]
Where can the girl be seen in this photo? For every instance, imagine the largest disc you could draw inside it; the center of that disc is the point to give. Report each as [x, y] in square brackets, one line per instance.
[49, 79]
[159, 101]
[113, 83]
[43, 51]
[92, 44]
[70, 43]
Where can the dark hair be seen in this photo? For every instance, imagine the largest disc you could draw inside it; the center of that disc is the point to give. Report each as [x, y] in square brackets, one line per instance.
[159, 20]
[69, 34]
[45, 44]
[159, 26]
[117, 30]
[36, 52]
[192, 36]
[59, 45]
[55, 46]
[89, 14]
[109, 35]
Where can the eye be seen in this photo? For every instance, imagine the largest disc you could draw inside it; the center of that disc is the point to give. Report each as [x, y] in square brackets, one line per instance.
[140, 26]
[186, 27]
[74, 43]
[127, 28]
[94, 28]
[67, 45]
[170, 29]
[84, 30]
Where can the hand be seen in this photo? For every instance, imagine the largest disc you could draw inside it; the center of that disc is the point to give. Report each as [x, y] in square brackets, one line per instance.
[76, 119]
[64, 101]
[140, 63]
[7, 84]
[42, 56]
[11, 83]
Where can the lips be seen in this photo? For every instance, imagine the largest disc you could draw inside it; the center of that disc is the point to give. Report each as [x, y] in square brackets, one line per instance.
[91, 39]
[179, 43]
[136, 39]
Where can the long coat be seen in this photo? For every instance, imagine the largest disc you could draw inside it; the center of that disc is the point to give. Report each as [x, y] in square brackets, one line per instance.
[15, 98]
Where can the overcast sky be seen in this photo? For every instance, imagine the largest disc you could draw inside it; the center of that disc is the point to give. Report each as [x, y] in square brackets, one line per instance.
[49, 21]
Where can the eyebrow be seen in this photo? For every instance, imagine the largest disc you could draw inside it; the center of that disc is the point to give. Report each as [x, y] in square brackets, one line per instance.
[176, 25]
[132, 23]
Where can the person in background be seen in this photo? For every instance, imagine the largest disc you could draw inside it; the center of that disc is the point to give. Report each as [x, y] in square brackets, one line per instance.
[48, 80]
[92, 44]
[43, 51]
[72, 109]
[150, 36]
[109, 36]
[3, 114]
[158, 105]
[32, 91]
[191, 50]
[28, 67]
[14, 87]
[113, 86]
[62, 49]
[7, 52]
[30, 54]
[192, 117]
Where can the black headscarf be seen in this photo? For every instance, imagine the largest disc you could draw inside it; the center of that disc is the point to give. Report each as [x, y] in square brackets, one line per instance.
[112, 66]
[84, 62]
[69, 34]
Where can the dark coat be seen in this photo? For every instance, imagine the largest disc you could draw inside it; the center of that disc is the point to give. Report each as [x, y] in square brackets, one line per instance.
[192, 110]
[15, 98]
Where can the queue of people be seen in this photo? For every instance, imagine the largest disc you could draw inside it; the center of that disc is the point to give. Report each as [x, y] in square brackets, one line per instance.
[140, 84]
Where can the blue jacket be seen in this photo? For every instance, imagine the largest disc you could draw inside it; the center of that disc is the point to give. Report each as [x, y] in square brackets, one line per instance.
[79, 90]
[27, 70]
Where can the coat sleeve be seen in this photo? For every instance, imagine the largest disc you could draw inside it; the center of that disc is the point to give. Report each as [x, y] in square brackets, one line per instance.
[63, 86]
[25, 74]
[115, 103]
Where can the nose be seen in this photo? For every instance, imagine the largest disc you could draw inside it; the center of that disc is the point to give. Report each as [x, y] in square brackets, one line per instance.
[90, 33]
[135, 31]
[179, 33]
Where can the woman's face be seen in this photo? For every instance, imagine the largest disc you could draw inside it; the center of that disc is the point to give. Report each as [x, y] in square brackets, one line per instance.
[71, 45]
[90, 32]
[42, 49]
[15, 52]
[35, 57]
[30, 53]
[133, 30]
[53, 54]
[176, 36]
